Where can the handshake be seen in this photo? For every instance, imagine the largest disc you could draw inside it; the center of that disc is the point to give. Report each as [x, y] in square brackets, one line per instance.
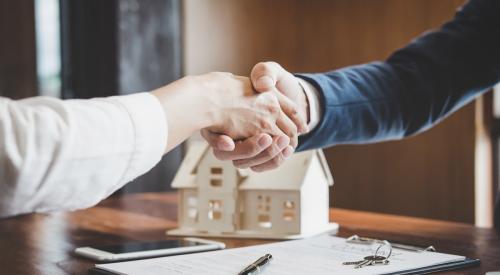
[253, 122]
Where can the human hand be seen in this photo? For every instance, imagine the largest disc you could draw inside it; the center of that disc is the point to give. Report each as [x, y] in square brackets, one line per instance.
[240, 112]
[224, 104]
[261, 152]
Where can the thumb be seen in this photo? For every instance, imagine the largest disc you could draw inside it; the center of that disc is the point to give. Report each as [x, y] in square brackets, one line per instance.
[265, 75]
[219, 142]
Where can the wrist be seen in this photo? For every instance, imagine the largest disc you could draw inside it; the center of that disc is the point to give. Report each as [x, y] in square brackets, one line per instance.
[313, 110]
[212, 96]
[304, 102]
[184, 103]
[202, 89]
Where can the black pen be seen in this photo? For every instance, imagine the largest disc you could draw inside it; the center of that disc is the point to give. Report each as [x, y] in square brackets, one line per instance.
[256, 266]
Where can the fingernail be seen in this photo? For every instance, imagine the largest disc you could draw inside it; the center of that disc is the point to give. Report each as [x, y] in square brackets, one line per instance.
[264, 82]
[224, 146]
[287, 152]
[255, 169]
[265, 141]
[283, 141]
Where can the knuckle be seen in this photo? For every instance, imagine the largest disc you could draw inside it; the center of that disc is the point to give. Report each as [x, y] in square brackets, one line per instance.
[277, 161]
[260, 69]
[274, 109]
[271, 152]
[261, 65]
[292, 131]
[264, 124]
[266, 65]
[254, 149]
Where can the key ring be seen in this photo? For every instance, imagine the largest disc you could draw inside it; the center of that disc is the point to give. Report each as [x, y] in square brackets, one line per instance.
[383, 244]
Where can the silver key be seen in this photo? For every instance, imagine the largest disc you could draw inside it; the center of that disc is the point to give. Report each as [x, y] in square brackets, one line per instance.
[378, 260]
[356, 263]
[375, 259]
[369, 260]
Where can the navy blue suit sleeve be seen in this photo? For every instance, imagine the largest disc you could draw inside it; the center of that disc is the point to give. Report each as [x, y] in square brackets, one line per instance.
[414, 88]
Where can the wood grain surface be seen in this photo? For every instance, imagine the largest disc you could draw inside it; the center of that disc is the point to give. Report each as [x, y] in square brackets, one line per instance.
[43, 244]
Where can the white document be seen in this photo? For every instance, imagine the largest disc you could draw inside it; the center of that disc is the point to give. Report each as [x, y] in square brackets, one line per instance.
[314, 256]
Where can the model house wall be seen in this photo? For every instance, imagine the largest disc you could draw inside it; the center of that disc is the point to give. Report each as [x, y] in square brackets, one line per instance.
[217, 199]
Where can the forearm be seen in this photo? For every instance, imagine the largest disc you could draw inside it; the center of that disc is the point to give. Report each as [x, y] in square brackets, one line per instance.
[188, 106]
[415, 88]
[71, 154]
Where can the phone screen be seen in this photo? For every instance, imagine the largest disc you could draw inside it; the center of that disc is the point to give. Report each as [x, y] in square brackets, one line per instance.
[145, 246]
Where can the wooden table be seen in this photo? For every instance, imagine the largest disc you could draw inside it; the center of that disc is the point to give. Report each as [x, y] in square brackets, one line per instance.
[43, 244]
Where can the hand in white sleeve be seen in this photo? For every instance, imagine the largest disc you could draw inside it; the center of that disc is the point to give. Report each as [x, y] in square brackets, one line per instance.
[70, 154]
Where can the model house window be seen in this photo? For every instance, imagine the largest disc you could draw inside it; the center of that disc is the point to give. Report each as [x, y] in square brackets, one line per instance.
[216, 182]
[265, 221]
[288, 210]
[288, 216]
[192, 208]
[192, 201]
[216, 170]
[214, 209]
[289, 204]
[264, 207]
[192, 213]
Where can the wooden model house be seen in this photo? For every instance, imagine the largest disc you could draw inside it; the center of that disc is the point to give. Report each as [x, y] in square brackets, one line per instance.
[216, 199]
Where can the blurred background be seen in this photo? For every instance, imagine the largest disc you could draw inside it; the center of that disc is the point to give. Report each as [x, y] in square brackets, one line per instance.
[90, 48]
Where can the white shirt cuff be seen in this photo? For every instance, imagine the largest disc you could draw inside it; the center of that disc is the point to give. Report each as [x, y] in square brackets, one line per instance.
[312, 95]
[151, 132]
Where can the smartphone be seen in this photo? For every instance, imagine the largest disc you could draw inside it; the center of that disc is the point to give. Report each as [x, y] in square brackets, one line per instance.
[139, 250]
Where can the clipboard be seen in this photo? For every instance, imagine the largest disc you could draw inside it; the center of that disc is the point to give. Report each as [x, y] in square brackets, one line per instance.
[315, 256]
[427, 270]
[468, 262]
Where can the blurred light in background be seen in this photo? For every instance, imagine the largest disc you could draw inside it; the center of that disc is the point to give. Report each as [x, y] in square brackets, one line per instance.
[496, 101]
[48, 47]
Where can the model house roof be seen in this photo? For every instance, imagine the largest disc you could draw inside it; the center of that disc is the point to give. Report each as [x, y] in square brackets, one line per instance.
[289, 176]
[186, 175]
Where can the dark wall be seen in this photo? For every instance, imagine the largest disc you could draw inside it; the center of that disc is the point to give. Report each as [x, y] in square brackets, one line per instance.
[149, 56]
[149, 44]
[17, 49]
[118, 47]
[89, 47]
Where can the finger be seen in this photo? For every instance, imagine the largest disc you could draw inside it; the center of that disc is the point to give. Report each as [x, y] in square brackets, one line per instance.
[287, 126]
[247, 148]
[290, 108]
[279, 144]
[275, 162]
[269, 165]
[217, 141]
[265, 75]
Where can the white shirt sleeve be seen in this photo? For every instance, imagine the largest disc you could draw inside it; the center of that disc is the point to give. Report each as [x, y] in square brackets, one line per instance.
[312, 95]
[71, 154]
